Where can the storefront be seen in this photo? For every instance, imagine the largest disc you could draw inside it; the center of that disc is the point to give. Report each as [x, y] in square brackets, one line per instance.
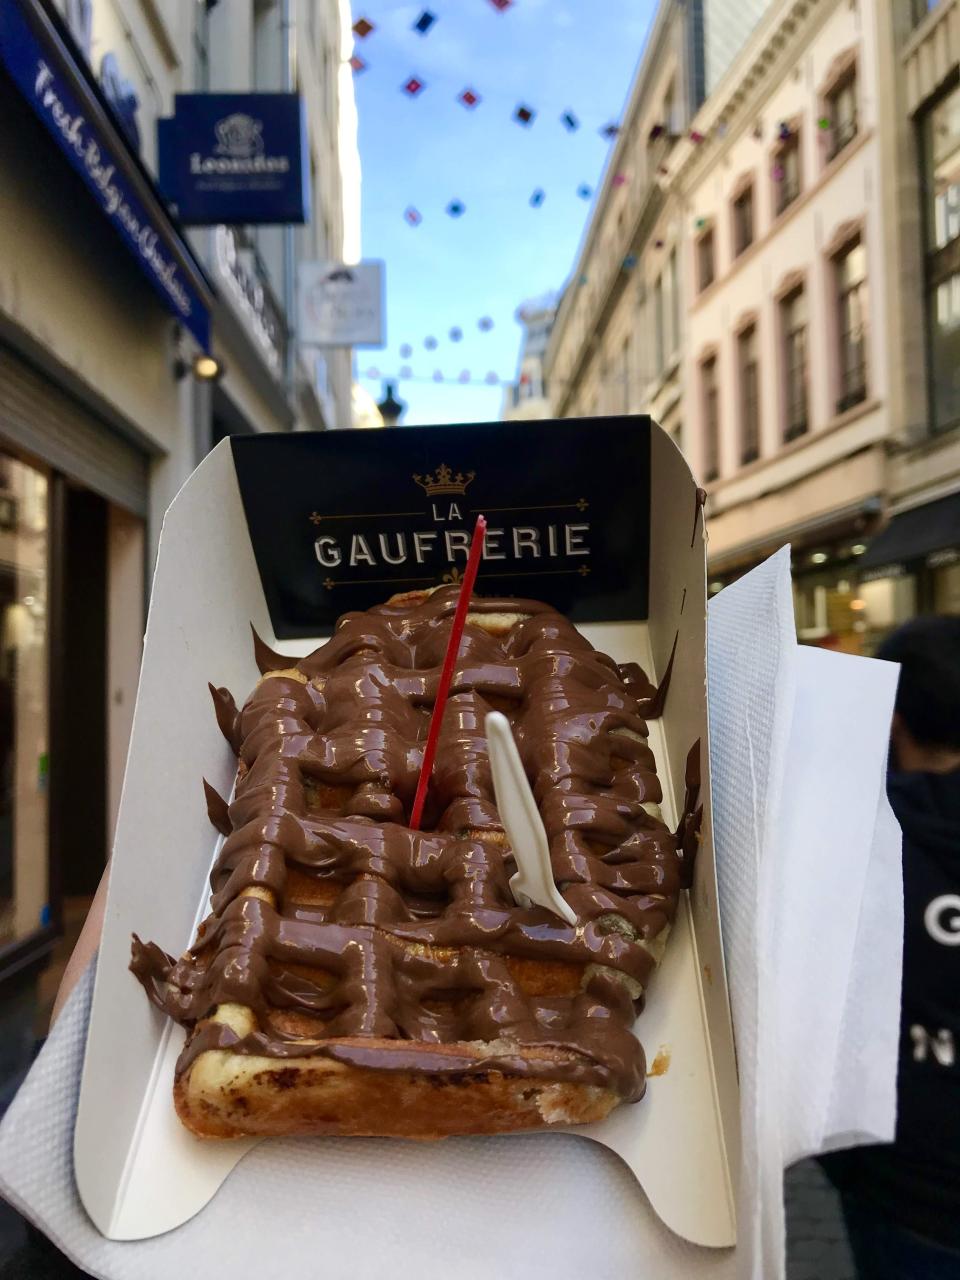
[99, 296]
[913, 566]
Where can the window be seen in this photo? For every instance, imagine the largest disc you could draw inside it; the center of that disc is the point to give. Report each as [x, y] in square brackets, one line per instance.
[793, 325]
[625, 376]
[842, 112]
[659, 336]
[941, 198]
[749, 395]
[743, 220]
[852, 302]
[787, 175]
[705, 261]
[673, 288]
[711, 419]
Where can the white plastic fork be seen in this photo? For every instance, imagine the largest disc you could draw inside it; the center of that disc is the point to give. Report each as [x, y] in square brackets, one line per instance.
[533, 880]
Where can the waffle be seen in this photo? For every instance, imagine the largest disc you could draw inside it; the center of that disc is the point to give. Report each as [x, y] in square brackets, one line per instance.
[355, 977]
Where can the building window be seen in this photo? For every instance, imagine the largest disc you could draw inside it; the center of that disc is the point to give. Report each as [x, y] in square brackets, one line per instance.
[787, 172]
[749, 374]
[842, 113]
[659, 336]
[711, 419]
[673, 288]
[852, 302]
[793, 324]
[625, 377]
[941, 197]
[706, 267]
[743, 220]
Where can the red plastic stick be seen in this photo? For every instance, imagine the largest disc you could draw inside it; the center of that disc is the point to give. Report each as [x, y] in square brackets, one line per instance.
[446, 673]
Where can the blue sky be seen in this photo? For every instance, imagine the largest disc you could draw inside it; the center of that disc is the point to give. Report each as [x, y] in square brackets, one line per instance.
[552, 55]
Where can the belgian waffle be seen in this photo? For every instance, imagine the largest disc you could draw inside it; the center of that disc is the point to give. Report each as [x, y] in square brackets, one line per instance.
[357, 977]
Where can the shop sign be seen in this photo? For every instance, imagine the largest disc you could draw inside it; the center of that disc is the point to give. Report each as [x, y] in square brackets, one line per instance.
[883, 571]
[237, 270]
[42, 74]
[236, 158]
[947, 555]
[340, 305]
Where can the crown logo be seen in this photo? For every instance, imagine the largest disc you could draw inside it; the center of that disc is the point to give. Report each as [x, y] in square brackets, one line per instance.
[445, 481]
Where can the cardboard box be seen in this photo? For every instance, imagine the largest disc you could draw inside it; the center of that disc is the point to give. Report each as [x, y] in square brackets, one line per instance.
[600, 517]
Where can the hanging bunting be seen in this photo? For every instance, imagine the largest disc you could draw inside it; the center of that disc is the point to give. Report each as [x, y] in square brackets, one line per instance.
[430, 344]
[524, 379]
[656, 132]
[619, 179]
[582, 280]
[464, 375]
[358, 64]
[630, 261]
[372, 372]
[425, 22]
[696, 136]
[524, 115]
[456, 208]
[570, 122]
[584, 192]
[413, 216]
[537, 198]
[405, 371]
[455, 334]
[501, 5]
[413, 86]
[406, 351]
[758, 130]
[663, 171]
[438, 375]
[658, 244]
[362, 28]
[609, 131]
[721, 128]
[777, 173]
[491, 379]
[468, 98]
[484, 324]
[824, 123]
[783, 131]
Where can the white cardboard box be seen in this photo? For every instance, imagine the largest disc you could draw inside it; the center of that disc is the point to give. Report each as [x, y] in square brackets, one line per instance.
[139, 1172]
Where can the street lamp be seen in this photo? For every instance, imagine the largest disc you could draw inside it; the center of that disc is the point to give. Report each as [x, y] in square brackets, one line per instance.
[391, 409]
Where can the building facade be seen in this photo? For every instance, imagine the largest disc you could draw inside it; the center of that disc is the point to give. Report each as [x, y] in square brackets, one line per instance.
[105, 301]
[616, 341]
[772, 270]
[914, 563]
[787, 359]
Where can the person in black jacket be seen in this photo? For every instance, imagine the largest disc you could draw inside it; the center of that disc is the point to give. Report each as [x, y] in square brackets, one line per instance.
[901, 1201]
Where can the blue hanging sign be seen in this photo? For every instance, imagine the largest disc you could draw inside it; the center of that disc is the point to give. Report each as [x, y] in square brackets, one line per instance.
[236, 158]
[56, 88]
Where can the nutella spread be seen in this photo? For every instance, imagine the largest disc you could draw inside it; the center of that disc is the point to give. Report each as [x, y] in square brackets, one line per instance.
[421, 930]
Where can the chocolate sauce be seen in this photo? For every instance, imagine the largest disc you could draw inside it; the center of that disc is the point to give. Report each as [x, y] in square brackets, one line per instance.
[420, 941]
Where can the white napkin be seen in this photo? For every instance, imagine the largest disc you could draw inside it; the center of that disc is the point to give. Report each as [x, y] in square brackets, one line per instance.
[555, 1205]
[811, 893]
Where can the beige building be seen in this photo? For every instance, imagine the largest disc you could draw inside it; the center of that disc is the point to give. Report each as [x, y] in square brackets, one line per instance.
[786, 361]
[916, 558]
[616, 341]
[772, 272]
[105, 303]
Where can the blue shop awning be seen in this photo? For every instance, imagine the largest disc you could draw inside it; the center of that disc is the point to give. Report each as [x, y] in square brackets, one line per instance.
[42, 61]
[915, 534]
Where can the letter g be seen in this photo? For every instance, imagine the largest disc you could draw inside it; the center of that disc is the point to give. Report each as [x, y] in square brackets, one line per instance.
[941, 927]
